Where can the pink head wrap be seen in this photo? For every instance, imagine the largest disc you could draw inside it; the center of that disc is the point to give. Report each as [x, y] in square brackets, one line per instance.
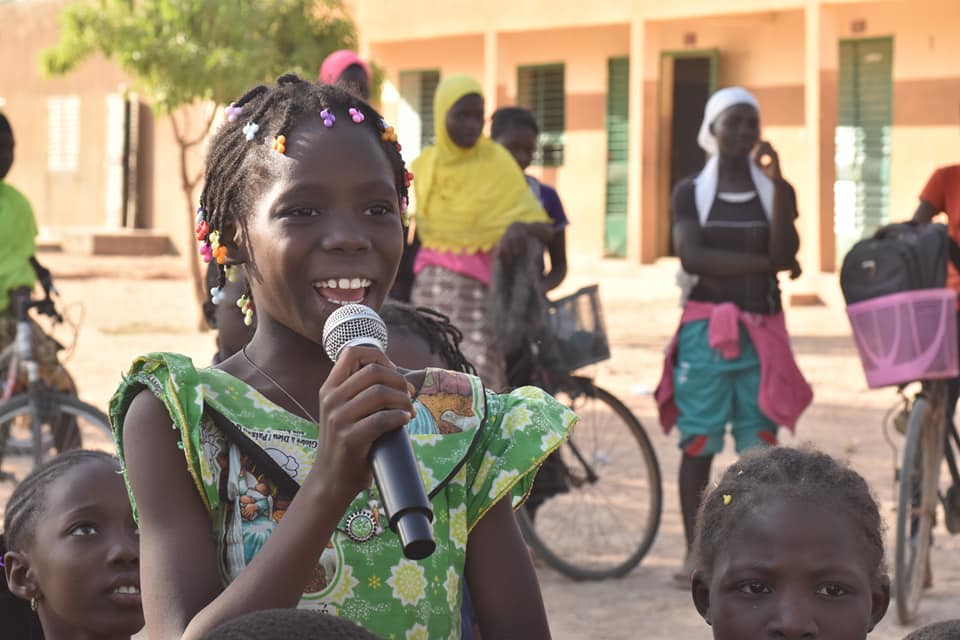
[337, 62]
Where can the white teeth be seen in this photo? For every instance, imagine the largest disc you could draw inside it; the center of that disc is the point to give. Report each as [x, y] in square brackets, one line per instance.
[344, 283]
[127, 589]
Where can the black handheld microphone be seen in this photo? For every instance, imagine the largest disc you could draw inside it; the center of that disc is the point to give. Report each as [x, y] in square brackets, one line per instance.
[395, 470]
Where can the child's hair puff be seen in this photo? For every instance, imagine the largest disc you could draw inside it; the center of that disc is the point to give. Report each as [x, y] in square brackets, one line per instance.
[289, 624]
[783, 472]
[946, 630]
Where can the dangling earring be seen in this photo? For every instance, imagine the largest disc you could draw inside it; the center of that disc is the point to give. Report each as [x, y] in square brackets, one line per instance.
[246, 307]
[34, 603]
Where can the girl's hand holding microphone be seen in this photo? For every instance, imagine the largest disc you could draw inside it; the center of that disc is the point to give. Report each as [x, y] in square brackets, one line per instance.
[364, 397]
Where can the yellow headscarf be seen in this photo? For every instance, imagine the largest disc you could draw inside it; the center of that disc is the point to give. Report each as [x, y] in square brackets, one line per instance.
[466, 198]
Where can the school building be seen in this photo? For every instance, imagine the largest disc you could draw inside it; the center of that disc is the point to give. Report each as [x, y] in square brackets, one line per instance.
[861, 99]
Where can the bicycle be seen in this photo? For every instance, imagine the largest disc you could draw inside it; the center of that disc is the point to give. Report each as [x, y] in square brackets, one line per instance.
[901, 338]
[930, 439]
[595, 506]
[36, 419]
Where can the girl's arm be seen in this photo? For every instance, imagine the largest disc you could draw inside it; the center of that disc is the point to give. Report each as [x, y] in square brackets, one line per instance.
[182, 596]
[557, 247]
[784, 239]
[503, 584]
[697, 259]
[180, 581]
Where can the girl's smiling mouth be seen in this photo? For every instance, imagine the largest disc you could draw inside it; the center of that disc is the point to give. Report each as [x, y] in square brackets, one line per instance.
[343, 291]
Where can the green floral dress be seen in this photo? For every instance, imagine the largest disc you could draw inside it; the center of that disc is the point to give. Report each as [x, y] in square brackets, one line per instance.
[473, 448]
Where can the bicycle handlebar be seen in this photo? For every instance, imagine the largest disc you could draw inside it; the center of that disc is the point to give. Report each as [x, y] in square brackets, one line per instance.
[44, 305]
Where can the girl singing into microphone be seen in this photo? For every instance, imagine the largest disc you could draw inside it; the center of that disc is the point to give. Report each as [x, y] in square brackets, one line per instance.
[305, 192]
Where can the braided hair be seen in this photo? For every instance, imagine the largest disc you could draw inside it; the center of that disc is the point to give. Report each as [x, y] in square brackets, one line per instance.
[434, 327]
[782, 472]
[239, 159]
[24, 510]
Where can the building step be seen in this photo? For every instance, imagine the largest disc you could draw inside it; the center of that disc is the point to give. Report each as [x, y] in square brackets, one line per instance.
[114, 242]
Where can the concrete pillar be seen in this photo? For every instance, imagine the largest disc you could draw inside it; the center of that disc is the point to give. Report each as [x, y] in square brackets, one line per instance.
[491, 65]
[638, 229]
[820, 115]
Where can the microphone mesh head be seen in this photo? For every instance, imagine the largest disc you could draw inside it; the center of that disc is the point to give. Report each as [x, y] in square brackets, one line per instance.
[353, 324]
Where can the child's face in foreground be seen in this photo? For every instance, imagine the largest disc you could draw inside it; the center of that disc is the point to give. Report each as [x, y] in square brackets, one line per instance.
[330, 218]
[85, 555]
[793, 569]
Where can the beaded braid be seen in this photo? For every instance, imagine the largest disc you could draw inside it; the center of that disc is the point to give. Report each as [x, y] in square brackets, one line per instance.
[254, 128]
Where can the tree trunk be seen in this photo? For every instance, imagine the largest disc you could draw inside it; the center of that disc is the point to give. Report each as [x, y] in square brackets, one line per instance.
[188, 185]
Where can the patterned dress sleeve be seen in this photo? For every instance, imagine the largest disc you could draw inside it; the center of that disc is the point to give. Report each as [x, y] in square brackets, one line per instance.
[173, 379]
[522, 428]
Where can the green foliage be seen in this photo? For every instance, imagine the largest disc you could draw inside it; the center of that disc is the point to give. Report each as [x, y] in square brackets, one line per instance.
[179, 51]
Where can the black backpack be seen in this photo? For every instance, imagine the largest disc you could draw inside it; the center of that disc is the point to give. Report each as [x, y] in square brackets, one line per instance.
[899, 257]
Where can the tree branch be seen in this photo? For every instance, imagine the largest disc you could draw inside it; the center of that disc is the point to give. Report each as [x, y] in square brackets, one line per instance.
[206, 129]
[176, 130]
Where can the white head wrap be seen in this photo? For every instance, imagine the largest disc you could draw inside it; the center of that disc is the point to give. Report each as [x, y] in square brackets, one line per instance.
[706, 182]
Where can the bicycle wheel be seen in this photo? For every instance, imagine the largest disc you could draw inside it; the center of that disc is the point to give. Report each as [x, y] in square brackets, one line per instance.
[917, 504]
[603, 522]
[59, 412]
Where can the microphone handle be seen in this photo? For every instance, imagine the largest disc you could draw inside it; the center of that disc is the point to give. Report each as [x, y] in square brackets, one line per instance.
[397, 475]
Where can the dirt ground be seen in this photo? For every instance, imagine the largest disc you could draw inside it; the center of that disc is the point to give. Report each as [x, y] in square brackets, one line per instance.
[131, 306]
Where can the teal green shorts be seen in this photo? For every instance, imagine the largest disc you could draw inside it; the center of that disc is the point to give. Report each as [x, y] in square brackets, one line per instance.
[712, 392]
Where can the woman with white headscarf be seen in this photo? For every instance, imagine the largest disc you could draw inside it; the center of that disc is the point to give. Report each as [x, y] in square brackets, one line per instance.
[731, 361]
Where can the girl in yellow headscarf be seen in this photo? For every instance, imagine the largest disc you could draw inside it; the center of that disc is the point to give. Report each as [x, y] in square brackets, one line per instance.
[471, 201]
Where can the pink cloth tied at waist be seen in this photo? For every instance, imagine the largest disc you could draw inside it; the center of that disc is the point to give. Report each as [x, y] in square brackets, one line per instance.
[784, 393]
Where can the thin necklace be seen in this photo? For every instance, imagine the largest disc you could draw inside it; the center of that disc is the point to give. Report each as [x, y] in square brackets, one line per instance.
[243, 352]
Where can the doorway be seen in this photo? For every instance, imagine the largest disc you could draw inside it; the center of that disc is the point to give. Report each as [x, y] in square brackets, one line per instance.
[687, 79]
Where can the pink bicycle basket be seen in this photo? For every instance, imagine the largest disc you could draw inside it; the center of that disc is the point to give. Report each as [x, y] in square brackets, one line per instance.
[908, 336]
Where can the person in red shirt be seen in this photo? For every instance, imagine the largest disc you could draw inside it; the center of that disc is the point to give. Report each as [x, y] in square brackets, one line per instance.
[942, 195]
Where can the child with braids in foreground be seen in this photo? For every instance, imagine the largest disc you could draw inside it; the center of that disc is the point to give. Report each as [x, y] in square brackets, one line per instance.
[789, 544]
[70, 553]
[305, 192]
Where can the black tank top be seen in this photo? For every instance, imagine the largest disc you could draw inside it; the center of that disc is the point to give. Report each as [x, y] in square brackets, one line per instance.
[734, 226]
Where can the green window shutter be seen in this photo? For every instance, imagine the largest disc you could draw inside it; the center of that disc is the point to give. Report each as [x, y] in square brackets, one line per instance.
[428, 88]
[415, 117]
[541, 89]
[618, 136]
[862, 137]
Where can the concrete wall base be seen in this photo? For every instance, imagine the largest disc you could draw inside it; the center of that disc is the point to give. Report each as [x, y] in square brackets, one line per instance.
[115, 242]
